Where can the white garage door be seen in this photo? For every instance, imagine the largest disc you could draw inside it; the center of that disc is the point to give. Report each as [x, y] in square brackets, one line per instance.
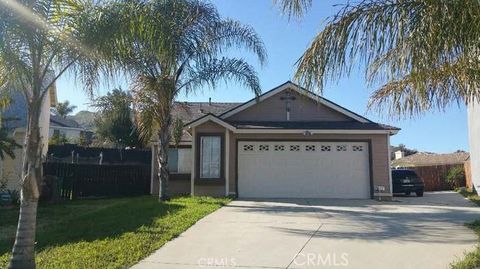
[292, 169]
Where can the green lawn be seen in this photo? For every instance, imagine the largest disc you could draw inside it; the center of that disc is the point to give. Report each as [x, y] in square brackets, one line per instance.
[472, 259]
[110, 233]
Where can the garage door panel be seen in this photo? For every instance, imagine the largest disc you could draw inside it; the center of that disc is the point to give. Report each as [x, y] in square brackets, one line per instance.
[303, 169]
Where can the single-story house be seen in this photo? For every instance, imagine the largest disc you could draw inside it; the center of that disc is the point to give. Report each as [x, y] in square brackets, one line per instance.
[67, 127]
[287, 143]
[430, 159]
[433, 168]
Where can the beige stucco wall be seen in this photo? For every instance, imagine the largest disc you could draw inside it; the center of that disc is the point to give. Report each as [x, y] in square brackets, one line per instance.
[301, 109]
[379, 154]
[11, 168]
[474, 141]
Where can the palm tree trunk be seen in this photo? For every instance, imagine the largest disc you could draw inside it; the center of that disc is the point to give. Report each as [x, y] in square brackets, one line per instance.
[162, 155]
[23, 252]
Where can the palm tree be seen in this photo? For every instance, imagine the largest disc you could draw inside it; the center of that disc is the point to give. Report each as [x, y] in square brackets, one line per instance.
[39, 41]
[63, 109]
[176, 47]
[424, 54]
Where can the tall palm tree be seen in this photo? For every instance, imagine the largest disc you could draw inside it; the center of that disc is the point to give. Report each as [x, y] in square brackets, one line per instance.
[177, 46]
[424, 53]
[39, 41]
[63, 109]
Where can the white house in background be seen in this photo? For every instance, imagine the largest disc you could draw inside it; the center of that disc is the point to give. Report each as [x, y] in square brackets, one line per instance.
[474, 137]
[71, 129]
[15, 120]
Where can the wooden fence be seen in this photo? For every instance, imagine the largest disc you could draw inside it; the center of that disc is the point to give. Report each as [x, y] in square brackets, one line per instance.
[70, 180]
[76, 154]
[435, 176]
[468, 174]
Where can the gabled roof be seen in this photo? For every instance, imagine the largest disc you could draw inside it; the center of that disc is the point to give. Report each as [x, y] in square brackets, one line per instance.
[300, 90]
[189, 111]
[60, 121]
[429, 159]
[213, 118]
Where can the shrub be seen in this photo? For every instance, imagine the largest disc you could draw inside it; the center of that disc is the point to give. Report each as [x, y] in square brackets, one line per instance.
[456, 176]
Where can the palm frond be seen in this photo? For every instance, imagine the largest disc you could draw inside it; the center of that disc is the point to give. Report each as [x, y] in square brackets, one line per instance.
[294, 8]
[437, 88]
[395, 40]
[216, 70]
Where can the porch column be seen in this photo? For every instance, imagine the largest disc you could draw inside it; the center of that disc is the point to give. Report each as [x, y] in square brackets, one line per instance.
[227, 161]
[194, 163]
[389, 164]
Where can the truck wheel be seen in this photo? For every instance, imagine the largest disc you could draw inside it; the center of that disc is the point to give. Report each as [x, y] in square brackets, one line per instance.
[419, 193]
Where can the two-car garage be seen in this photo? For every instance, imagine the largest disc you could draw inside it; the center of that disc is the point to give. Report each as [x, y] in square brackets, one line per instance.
[303, 169]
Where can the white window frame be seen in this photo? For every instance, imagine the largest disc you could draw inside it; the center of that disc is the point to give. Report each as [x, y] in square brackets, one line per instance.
[201, 165]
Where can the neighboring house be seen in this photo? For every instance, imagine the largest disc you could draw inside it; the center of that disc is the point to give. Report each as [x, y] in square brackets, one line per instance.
[286, 143]
[432, 168]
[15, 120]
[71, 129]
[429, 159]
[474, 136]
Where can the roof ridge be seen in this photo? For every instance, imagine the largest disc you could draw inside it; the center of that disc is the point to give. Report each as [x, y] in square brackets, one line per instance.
[207, 102]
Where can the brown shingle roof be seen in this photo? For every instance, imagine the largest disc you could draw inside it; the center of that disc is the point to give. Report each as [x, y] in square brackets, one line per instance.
[429, 159]
[189, 111]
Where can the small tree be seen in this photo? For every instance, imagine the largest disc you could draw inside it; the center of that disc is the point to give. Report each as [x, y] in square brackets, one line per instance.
[58, 139]
[456, 176]
[64, 109]
[114, 120]
[177, 131]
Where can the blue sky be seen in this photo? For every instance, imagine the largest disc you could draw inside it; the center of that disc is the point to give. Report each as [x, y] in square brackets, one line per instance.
[285, 41]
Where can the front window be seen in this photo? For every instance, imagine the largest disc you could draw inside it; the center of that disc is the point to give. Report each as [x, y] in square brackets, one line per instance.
[210, 156]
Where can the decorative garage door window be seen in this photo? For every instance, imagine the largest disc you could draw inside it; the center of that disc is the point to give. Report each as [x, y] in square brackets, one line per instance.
[263, 147]
[341, 148]
[247, 147]
[310, 148]
[279, 148]
[210, 157]
[294, 147]
[357, 148]
[325, 148]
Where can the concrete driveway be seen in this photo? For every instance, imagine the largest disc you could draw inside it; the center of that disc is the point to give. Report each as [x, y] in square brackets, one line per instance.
[411, 232]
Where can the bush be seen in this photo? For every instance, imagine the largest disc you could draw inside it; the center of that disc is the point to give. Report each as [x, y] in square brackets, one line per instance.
[456, 177]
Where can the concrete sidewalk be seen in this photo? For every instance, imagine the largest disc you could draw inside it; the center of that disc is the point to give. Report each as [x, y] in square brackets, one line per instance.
[412, 232]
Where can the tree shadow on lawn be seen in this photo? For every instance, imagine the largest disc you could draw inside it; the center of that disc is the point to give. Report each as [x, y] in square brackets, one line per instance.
[94, 220]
